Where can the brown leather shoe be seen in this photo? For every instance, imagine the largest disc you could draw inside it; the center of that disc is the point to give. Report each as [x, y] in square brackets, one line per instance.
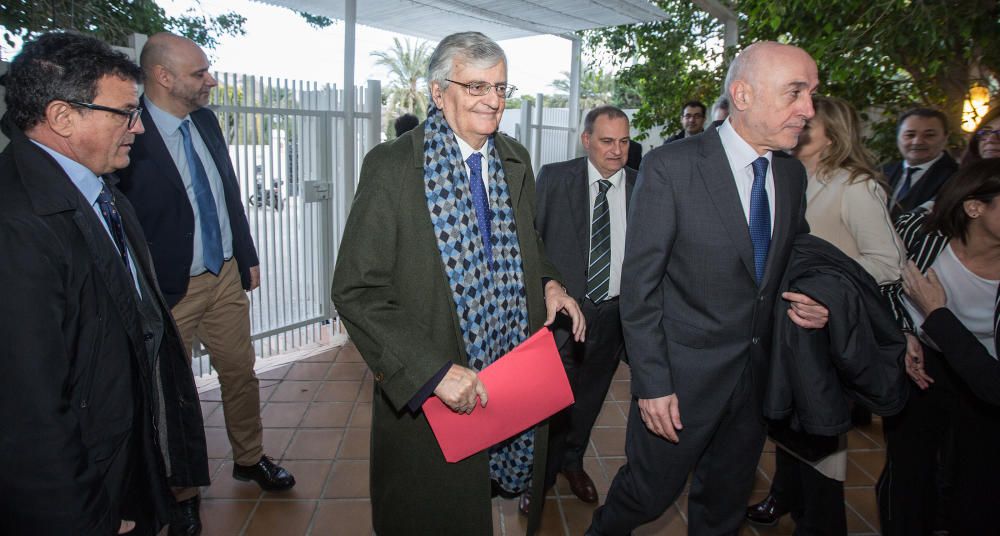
[581, 485]
[766, 512]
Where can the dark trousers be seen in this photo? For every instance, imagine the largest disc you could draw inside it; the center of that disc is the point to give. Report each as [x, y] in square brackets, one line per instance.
[911, 490]
[815, 501]
[723, 454]
[590, 367]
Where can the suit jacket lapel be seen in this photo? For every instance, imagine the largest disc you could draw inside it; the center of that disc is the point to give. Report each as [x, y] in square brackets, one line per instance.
[579, 206]
[152, 143]
[513, 168]
[630, 178]
[718, 177]
[781, 227]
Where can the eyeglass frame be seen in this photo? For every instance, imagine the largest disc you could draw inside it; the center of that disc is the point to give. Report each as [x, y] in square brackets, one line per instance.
[985, 133]
[132, 115]
[508, 93]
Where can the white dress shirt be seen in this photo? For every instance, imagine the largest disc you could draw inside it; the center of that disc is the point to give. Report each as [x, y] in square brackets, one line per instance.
[616, 213]
[741, 156]
[467, 151]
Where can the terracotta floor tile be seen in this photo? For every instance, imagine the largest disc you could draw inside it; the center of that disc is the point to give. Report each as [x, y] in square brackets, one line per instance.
[610, 415]
[215, 419]
[308, 371]
[274, 374]
[609, 441]
[577, 514]
[323, 357]
[356, 444]
[338, 391]
[349, 354]
[287, 518]
[769, 446]
[207, 407]
[856, 440]
[362, 415]
[611, 465]
[516, 523]
[267, 388]
[217, 442]
[862, 501]
[870, 461]
[348, 479]
[343, 517]
[623, 373]
[327, 415]
[347, 371]
[857, 525]
[766, 464]
[276, 441]
[367, 389]
[621, 391]
[761, 482]
[283, 414]
[314, 444]
[211, 396]
[856, 476]
[224, 517]
[224, 486]
[295, 391]
[310, 477]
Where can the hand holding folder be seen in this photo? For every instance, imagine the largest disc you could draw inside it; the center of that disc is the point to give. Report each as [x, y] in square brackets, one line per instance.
[525, 387]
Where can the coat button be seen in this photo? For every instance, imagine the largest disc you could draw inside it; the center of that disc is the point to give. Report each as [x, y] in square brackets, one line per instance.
[378, 377]
[147, 336]
[760, 298]
[755, 340]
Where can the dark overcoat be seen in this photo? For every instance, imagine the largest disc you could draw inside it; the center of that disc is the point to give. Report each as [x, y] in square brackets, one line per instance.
[390, 288]
[74, 370]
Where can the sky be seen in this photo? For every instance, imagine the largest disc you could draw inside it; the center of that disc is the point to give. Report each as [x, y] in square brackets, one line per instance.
[280, 43]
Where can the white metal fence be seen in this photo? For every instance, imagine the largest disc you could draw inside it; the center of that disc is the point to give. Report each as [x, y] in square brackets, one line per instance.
[286, 142]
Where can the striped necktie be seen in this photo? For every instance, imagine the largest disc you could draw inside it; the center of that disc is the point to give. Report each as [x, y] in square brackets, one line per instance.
[599, 272]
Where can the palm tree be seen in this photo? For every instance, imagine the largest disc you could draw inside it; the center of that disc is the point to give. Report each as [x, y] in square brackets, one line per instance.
[596, 87]
[407, 88]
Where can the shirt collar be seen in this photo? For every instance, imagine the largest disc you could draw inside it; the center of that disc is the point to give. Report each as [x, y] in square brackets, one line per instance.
[165, 122]
[593, 175]
[90, 185]
[926, 165]
[467, 149]
[739, 152]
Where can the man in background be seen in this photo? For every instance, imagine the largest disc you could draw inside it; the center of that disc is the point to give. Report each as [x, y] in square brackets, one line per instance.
[692, 119]
[921, 136]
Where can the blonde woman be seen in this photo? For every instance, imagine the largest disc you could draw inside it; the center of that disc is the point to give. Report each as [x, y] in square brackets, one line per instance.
[846, 206]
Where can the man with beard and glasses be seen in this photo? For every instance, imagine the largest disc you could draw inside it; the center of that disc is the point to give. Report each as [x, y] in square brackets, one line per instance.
[186, 195]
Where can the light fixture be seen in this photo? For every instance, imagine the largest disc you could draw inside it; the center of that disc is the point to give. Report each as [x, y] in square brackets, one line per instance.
[976, 104]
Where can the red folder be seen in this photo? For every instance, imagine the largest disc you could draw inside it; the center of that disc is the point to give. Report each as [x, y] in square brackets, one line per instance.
[524, 387]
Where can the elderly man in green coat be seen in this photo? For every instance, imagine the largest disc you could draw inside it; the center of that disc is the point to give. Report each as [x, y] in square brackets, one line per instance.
[441, 272]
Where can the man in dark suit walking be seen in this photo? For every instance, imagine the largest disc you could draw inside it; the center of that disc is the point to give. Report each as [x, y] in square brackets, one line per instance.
[580, 214]
[699, 284]
[95, 394]
[186, 195]
[921, 136]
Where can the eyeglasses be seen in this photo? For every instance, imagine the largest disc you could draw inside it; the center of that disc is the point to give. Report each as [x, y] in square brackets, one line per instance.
[132, 115]
[986, 133]
[478, 89]
[693, 116]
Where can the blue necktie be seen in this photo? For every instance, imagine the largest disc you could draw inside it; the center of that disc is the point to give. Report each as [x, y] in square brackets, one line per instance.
[106, 202]
[760, 217]
[481, 201]
[904, 187]
[208, 214]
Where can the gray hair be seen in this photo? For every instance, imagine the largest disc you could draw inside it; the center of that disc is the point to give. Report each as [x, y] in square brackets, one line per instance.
[473, 47]
[612, 112]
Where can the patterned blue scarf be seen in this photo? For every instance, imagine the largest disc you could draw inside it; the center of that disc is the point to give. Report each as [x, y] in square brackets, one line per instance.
[489, 300]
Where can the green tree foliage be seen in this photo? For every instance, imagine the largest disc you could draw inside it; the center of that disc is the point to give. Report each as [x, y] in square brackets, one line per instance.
[112, 20]
[407, 89]
[883, 56]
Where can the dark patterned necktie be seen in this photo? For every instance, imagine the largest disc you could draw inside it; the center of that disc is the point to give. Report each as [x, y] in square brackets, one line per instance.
[208, 213]
[760, 217]
[904, 188]
[599, 271]
[106, 202]
[481, 201]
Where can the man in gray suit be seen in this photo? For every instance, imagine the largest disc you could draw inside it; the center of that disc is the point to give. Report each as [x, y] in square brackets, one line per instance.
[587, 247]
[699, 284]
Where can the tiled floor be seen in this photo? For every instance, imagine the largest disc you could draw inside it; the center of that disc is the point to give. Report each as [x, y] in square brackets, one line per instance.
[317, 416]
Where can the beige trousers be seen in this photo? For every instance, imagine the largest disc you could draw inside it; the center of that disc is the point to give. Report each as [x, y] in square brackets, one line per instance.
[217, 310]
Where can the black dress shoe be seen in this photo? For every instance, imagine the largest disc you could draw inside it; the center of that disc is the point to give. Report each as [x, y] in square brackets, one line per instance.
[266, 474]
[766, 512]
[184, 517]
[581, 485]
